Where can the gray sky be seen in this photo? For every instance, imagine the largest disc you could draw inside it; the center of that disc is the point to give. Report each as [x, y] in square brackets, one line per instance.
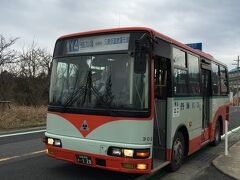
[216, 23]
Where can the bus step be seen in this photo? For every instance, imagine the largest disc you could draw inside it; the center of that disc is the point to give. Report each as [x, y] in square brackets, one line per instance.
[159, 164]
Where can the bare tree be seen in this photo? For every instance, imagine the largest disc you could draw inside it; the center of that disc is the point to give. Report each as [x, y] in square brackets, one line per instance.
[34, 65]
[7, 55]
[24, 76]
[45, 59]
[29, 61]
[35, 61]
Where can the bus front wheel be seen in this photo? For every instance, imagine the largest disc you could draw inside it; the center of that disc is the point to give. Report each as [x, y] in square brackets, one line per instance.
[178, 150]
[217, 135]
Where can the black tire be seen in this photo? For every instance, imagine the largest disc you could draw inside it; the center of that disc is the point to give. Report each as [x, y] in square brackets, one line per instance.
[217, 135]
[178, 152]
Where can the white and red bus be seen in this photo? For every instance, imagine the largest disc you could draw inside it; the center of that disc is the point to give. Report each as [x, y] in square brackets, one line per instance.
[132, 100]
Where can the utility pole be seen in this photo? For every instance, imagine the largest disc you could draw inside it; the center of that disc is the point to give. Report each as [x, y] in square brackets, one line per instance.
[238, 79]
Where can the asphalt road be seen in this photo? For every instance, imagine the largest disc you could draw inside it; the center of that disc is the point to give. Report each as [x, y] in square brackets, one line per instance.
[42, 167]
[22, 164]
[25, 165]
[211, 173]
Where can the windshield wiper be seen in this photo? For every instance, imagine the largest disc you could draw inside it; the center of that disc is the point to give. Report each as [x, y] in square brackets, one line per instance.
[72, 98]
[88, 86]
[75, 95]
[86, 92]
[81, 91]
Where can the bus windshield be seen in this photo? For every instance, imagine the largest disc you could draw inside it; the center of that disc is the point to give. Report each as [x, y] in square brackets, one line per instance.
[98, 82]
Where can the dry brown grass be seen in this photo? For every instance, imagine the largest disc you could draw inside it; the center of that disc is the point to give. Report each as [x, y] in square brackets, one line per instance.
[22, 117]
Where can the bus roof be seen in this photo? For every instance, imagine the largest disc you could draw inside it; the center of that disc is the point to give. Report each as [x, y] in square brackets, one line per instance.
[155, 33]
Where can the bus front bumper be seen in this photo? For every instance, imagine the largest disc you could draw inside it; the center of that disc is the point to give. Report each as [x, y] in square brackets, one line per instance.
[119, 164]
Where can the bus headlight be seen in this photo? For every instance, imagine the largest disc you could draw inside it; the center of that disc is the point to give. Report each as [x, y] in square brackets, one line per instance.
[116, 152]
[57, 142]
[129, 153]
[52, 141]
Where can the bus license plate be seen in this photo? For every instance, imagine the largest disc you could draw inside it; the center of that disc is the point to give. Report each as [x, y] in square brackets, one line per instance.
[84, 159]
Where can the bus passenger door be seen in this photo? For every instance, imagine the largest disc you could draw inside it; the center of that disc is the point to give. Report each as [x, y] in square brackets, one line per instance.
[206, 93]
[160, 104]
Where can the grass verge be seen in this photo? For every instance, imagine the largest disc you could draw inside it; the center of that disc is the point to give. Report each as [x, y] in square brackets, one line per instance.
[18, 117]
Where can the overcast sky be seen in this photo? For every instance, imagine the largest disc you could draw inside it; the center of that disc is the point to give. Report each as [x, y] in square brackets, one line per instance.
[215, 23]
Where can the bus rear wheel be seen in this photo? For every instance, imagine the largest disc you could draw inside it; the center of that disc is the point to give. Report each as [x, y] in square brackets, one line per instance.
[217, 135]
[178, 152]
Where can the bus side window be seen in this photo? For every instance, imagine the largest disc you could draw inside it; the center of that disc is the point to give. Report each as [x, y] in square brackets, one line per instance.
[215, 79]
[193, 74]
[223, 79]
[160, 77]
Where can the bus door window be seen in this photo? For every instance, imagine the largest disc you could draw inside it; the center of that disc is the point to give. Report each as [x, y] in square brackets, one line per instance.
[160, 78]
[206, 90]
[160, 93]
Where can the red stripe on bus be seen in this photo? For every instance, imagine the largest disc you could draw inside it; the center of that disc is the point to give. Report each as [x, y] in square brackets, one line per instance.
[168, 154]
[194, 144]
[92, 121]
[221, 112]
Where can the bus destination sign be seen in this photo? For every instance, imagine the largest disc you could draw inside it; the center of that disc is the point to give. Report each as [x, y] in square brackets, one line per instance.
[100, 43]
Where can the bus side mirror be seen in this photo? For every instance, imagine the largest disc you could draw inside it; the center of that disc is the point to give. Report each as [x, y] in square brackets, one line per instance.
[140, 58]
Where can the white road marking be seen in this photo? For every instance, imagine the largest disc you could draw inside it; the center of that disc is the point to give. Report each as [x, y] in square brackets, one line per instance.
[22, 133]
[23, 155]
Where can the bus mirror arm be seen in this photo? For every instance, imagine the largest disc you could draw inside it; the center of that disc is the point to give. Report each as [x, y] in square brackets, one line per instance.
[142, 49]
[140, 59]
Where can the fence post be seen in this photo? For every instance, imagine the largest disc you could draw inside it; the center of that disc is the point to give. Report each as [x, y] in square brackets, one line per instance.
[226, 137]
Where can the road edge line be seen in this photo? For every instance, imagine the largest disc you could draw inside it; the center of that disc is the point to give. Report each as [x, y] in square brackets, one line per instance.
[22, 133]
[23, 155]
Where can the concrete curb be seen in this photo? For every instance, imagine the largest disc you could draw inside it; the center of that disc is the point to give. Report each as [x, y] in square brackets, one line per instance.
[222, 165]
[219, 169]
